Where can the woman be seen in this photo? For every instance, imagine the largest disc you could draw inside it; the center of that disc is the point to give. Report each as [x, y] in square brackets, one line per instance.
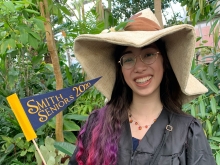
[146, 77]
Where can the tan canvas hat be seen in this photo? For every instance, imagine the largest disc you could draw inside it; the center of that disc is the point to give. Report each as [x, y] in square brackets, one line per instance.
[95, 52]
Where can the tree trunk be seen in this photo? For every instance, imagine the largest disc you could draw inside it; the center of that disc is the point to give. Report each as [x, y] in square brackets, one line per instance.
[158, 11]
[55, 61]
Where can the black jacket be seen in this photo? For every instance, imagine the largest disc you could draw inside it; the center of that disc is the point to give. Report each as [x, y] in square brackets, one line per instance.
[185, 145]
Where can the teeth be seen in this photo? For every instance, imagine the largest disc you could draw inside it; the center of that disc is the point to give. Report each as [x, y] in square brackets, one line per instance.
[144, 79]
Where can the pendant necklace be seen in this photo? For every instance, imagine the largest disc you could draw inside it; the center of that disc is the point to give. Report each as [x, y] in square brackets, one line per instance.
[131, 120]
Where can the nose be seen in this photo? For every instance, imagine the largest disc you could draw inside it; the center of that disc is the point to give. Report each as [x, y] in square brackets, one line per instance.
[140, 66]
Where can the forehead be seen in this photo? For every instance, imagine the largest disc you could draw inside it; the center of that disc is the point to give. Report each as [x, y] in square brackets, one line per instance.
[151, 46]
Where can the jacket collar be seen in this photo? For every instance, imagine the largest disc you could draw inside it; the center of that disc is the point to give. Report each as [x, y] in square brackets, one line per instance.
[150, 140]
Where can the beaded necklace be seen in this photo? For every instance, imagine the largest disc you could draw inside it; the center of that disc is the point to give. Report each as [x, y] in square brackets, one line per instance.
[131, 120]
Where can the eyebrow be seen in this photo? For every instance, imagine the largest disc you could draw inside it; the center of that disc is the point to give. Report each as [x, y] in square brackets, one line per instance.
[145, 47]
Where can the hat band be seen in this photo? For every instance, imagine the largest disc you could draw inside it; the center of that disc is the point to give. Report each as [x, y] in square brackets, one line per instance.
[142, 24]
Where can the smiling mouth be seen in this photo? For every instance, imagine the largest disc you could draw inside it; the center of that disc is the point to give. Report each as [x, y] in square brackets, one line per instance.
[143, 80]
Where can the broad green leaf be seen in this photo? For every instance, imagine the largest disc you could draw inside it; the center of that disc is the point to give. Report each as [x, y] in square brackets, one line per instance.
[198, 38]
[32, 11]
[122, 25]
[69, 136]
[3, 47]
[209, 127]
[70, 126]
[213, 105]
[36, 59]
[9, 5]
[193, 4]
[217, 139]
[65, 10]
[218, 74]
[39, 23]
[218, 118]
[23, 153]
[211, 69]
[212, 86]
[214, 147]
[69, 75]
[217, 158]
[35, 35]
[197, 16]
[216, 36]
[49, 67]
[10, 148]
[65, 147]
[202, 107]
[24, 37]
[77, 117]
[32, 41]
[193, 111]
[203, 76]
[11, 43]
[213, 26]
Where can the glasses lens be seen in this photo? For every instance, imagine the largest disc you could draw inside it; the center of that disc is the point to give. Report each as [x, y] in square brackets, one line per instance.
[128, 61]
[149, 58]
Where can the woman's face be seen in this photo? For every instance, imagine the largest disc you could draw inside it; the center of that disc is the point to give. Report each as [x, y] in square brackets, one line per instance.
[143, 79]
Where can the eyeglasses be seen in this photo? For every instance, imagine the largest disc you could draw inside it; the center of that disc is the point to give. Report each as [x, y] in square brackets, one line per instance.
[127, 61]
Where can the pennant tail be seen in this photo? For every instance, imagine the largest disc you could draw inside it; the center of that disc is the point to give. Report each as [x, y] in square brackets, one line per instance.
[21, 116]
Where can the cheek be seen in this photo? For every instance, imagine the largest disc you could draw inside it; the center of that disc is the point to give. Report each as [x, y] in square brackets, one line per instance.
[126, 75]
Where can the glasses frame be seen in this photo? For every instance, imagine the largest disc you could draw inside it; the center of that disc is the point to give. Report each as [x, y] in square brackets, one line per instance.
[136, 60]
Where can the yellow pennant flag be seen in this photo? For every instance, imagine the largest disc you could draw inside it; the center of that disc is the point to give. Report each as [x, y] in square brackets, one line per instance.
[21, 117]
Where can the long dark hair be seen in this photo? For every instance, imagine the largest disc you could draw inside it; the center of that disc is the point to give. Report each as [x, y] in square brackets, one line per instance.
[99, 138]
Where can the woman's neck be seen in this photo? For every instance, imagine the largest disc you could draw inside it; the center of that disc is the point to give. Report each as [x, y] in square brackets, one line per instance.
[146, 106]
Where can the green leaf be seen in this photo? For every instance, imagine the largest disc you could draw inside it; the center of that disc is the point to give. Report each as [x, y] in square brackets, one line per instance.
[216, 36]
[70, 126]
[198, 38]
[10, 148]
[23, 153]
[36, 59]
[33, 41]
[213, 26]
[39, 23]
[197, 16]
[193, 111]
[77, 117]
[35, 35]
[202, 107]
[209, 127]
[69, 136]
[217, 158]
[211, 69]
[65, 147]
[218, 74]
[122, 25]
[24, 37]
[11, 43]
[32, 11]
[218, 119]
[212, 86]
[217, 139]
[65, 10]
[213, 105]
[69, 75]
[9, 5]
[214, 147]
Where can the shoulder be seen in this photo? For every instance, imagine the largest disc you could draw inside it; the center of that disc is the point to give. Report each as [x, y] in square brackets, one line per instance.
[182, 119]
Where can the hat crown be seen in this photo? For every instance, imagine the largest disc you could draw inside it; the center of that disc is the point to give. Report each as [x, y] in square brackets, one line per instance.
[147, 13]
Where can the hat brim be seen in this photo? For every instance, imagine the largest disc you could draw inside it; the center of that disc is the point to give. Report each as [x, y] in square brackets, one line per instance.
[95, 53]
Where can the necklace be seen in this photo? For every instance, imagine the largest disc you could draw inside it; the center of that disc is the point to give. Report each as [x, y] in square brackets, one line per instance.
[136, 123]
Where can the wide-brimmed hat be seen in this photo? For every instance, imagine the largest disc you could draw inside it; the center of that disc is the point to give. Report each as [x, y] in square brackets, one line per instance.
[95, 52]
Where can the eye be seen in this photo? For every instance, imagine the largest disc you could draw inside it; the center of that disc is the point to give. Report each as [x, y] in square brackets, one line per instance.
[148, 55]
[127, 59]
